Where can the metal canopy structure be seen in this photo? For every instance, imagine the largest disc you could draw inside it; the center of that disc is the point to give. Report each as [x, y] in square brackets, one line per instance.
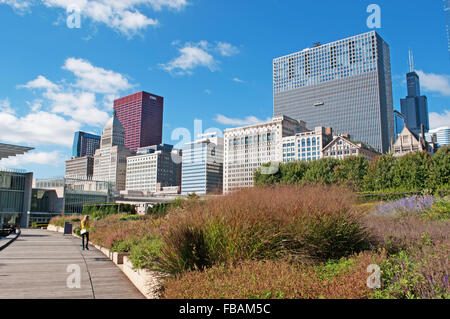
[8, 150]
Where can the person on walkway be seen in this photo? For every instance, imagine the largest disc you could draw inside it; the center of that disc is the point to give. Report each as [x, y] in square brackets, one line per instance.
[85, 226]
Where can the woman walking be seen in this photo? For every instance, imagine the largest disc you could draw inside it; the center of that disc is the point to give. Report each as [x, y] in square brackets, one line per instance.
[85, 226]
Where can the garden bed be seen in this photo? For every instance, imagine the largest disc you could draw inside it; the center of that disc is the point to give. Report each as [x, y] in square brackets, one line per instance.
[284, 242]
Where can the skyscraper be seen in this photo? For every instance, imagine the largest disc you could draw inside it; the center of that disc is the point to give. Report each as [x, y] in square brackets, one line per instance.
[85, 144]
[345, 84]
[141, 116]
[202, 169]
[110, 160]
[414, 106]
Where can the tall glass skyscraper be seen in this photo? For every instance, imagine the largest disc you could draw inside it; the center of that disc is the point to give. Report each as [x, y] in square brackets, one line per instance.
[345, 85]
[141, 115]
[202, 167]
[414, 106]
[85, 144]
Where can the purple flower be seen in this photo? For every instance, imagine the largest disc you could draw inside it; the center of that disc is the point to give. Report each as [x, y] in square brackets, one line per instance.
[418, 204]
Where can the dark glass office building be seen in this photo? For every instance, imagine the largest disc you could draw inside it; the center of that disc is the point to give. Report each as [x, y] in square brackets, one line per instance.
[414, 106]
[345, 85]
[85, 144]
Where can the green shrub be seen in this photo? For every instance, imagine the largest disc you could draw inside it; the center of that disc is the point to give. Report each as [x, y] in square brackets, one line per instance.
[351, 171]
[333, 236]
[439, 174]
[146, 253]
[417, 273]
[411, 171]
[77, 231]
[439, 211]
[321, 171]
[124, 246]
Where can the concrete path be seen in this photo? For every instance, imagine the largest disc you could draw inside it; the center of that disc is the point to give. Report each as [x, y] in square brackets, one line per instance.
[36, 264]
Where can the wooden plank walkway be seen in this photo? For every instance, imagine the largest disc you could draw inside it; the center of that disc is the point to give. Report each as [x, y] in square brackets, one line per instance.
[35, 267]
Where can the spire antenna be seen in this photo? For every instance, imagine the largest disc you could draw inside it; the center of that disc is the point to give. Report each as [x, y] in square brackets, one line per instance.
[411, 61]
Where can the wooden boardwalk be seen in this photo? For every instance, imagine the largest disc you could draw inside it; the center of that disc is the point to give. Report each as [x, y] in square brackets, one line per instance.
[35, 266]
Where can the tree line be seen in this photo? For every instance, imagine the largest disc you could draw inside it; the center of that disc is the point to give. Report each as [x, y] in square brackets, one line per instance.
[412, 172]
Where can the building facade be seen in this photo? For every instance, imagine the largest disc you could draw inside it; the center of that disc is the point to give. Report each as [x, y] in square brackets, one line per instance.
[342, 147]
[85, 144]
[442, 135]
[306, 146]
[110, 160]
[202, 169]
[345, 85]
[153, 167]
[15, 197]
[247, 148]
[15, 189]
[408, 142]
[73, 193]
[141, 115]
[415, 106]
[80, 167]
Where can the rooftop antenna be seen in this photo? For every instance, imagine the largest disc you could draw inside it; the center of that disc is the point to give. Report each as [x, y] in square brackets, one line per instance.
[411, 61]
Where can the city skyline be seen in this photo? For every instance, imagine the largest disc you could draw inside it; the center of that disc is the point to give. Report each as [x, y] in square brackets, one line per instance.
[229, 85]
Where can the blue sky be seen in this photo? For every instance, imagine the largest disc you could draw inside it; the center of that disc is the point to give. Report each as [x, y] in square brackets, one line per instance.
[211, 60]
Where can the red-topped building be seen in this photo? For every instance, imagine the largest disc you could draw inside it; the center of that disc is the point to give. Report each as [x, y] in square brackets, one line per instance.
[141, 115]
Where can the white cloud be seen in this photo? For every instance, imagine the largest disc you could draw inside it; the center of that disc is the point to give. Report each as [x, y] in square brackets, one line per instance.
[238, 80]
[227, 49]
[43, 158]
[192, 55]
[198, 54]
[435, 82]
[439, 120]
[35, 105]
[125, 16]
[249, 120]
[96, 79]
[37, 128]
[78, 100]
[41, 82]
[18, 5]
[80, 106]
[5, 106]
[208, 91]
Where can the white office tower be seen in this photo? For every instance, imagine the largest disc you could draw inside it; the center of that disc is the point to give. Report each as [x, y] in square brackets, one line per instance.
[247, 148]
[152, 167]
